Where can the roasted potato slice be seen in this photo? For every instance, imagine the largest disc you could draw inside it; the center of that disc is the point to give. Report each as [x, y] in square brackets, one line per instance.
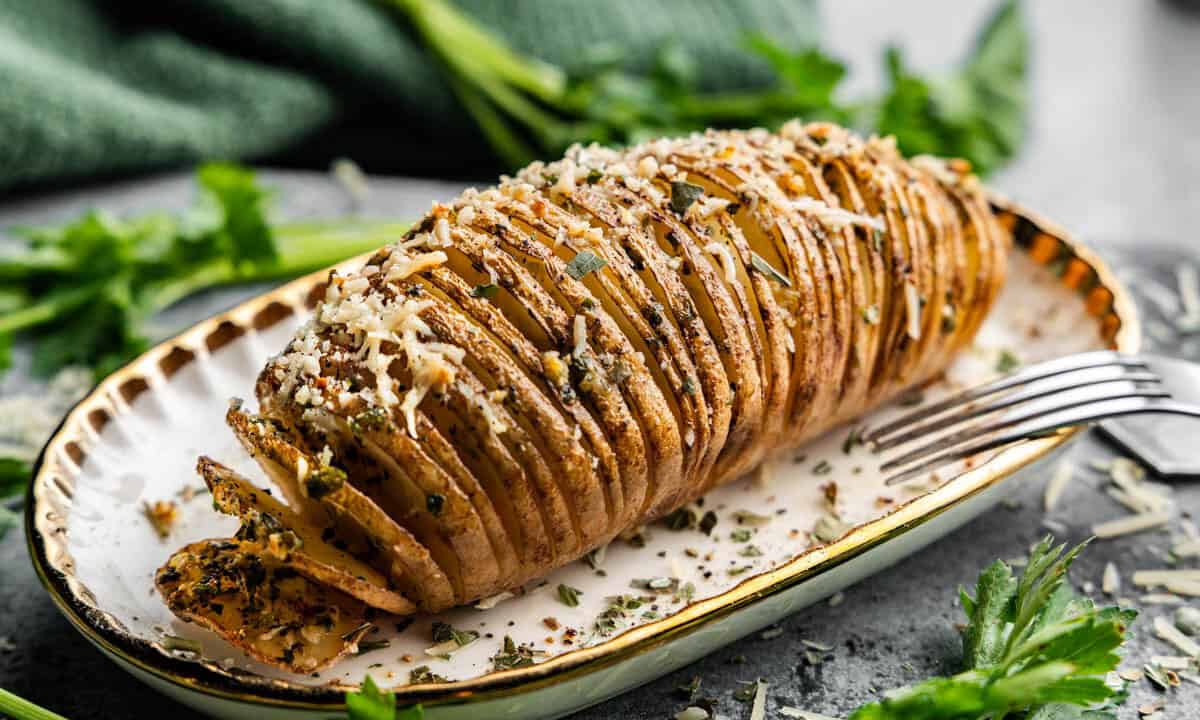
[255, 599]
[322, 490]
[308, 548]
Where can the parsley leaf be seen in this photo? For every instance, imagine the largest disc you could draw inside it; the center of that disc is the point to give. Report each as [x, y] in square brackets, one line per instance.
[810, 76]
[1031, 645]
[371, 703]
[978, 112]
[242, 203]
[584, 262]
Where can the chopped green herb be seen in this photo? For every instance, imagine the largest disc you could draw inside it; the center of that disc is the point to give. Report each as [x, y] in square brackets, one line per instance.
[421, 675]
[682, 519]
[1007, 362]
[741, 535]
[375, 419]
[594, 176]
[512, 656]
[444, 632]
[767, 269]
[434, 503]
[323, 481]
[488, 291]
[750, 551]
[822, 468]
[708, 522]
[620, 608]
[366, 646]
[871, 314]
[829, 527]
[684, 195]
[568, 595]
[583, 263]
[689, 387]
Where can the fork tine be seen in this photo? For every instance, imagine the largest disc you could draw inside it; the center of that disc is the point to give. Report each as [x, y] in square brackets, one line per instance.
[970, 410]
[978, 430]
[1048, 425]
[1050, 368]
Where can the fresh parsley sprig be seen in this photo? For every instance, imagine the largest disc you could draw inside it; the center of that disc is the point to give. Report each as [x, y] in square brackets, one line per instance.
[1034, 649]
[84, 291]
[528, 108]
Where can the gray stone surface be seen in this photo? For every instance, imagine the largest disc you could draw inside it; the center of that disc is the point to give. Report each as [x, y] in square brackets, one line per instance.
[1113, 154]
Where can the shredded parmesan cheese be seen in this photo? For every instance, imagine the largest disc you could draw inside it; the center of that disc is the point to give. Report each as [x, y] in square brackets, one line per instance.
[403, 266]
[1191, 588]
[912, 302]
[1063, 473]
[1149, 578]
[835, 218]
[647, 167]
[1111, 582]
[1130, 524]
[490, 602]
[441, 231]
[720, 251]
[758, 711]
[580, 335]
[1167, 631]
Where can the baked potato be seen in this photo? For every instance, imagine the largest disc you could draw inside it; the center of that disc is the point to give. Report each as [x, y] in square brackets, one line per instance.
[538, 367]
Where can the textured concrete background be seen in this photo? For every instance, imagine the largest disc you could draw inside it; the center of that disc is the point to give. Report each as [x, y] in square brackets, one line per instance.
[1114, 154]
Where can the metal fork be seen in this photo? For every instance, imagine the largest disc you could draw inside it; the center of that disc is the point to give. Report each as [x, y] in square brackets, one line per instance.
[1035, 401]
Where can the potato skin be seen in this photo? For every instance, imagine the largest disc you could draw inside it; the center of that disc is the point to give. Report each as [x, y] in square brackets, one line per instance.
[538, 367]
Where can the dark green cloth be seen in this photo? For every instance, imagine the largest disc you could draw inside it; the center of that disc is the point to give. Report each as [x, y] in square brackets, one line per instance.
[91, 88]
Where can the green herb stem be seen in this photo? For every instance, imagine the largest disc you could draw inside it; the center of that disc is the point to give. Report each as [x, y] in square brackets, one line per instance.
[442, 23]
[309, 246]
[45, 310]
[507, 145]
[303, 248]
[20, 709]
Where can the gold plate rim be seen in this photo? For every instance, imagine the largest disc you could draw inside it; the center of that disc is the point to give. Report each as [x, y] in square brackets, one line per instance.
[1082, 269]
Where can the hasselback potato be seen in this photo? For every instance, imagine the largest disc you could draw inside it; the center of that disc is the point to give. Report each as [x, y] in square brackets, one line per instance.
[538, 367]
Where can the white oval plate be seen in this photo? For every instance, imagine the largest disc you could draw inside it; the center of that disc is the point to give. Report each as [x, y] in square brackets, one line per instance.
[136, 437]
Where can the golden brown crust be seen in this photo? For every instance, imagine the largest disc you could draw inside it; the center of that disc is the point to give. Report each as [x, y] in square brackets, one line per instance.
[541, 366]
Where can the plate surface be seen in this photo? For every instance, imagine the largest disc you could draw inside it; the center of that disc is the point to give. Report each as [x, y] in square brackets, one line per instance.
[773, 550]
